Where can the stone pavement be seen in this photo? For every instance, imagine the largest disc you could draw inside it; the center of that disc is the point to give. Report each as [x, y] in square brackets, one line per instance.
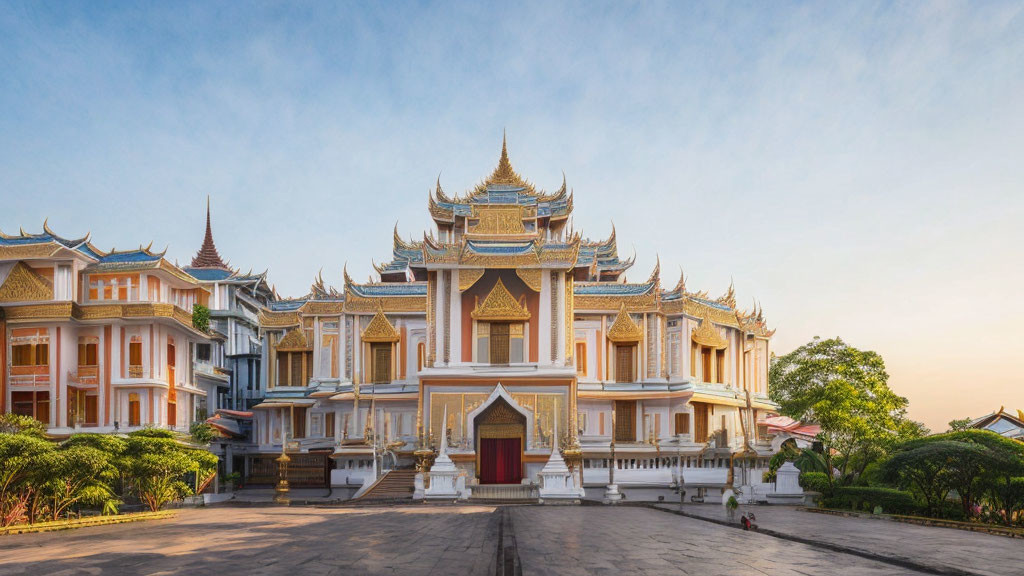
[445, 539]
[944, 550]
[306, 541]
[633, 540]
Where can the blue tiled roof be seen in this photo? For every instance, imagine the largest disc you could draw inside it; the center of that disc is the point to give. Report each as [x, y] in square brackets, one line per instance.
[610, 289]
[79, 244]
[209, 274]
[713, 304]
[500, 248]
[391, 289]
[129, 256]
[286, 305]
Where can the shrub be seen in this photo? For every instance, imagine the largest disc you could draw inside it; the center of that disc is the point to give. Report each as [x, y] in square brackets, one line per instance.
[815, 482]
[201, 432]
[866, 498]
[201, 318]
[18, 424]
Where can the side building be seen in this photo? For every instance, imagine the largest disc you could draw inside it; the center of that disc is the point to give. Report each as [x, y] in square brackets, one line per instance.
[508, 333]
[94, 340]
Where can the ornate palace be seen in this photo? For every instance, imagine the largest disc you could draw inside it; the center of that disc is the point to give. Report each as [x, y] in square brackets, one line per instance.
[509, 337]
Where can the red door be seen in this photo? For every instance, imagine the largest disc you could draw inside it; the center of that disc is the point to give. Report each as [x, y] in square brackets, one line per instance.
[500, 461]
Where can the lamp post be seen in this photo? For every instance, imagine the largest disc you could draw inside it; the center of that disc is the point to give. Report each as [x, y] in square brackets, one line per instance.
[281, 490]
[611, 494]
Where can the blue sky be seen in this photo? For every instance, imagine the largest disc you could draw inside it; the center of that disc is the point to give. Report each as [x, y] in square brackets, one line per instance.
[855, 167]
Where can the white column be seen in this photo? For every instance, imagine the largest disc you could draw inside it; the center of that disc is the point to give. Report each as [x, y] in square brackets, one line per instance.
[560, 328]
[456, 320]
[544, 320]
[439, 322]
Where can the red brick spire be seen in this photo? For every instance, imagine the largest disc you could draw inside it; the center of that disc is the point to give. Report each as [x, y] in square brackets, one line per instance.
[207, 257]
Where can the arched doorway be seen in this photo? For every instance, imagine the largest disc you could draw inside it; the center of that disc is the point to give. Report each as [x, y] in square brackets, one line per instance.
[500, 434]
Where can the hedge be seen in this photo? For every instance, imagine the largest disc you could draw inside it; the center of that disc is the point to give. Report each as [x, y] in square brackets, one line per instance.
[866, 498]
[815, 482]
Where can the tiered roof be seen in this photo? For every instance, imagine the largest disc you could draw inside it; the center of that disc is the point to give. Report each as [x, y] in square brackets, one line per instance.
[208, 266]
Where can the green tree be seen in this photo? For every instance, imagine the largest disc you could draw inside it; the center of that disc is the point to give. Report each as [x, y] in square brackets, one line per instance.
[934, 466]
[846, 392]
[160, 467]
[959, 424]
[200, 317]
[22, 466]
[201, 433]
[79, 474]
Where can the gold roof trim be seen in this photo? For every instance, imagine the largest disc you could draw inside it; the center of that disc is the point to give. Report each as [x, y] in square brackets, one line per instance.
[24, 285]
[278, 319]
[468, 277]
[390, 304]
[624, 329]
[500, 305]
[380, 329]
[707, 335]
[294, 340]
[41, 250]
[530, 277]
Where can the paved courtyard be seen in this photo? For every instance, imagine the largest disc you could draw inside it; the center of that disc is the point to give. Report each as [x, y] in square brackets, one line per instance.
[455, 540]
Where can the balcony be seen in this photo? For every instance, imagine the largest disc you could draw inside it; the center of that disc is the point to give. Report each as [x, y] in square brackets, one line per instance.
[29, 375]
[84, 376]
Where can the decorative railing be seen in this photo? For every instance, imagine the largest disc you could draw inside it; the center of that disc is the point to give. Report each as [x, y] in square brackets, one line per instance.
[29, 375]
[84, 375]
[135, 371]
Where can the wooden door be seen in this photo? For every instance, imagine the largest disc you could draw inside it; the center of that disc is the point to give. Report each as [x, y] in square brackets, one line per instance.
[700, 422]
[625, 420]
[624, 363]
[499, 343]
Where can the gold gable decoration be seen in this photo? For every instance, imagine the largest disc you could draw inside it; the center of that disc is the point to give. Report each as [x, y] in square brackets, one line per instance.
[380, 330]
[24, 285]
[707, 335]
[294, 341]
[530, 277]
[624, 329]
[500, 305]
[497, 220]
[468, 277]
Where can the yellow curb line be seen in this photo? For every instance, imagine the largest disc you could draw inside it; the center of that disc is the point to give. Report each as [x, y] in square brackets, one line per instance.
[86, 522]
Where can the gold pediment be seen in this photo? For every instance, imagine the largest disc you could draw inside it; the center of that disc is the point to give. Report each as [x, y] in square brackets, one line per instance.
[624, 329]
[24, 285]
[500, 305]
[496, 220]
[294, 340]
[530, 277]
[380, 330]
[707, 335]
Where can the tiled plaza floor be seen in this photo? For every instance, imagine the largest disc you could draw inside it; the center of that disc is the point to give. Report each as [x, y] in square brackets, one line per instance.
[442, 540]
[940, 548]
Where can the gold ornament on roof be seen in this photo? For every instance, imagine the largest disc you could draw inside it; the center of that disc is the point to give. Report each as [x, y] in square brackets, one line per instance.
[504, 174]
[624, 329]
[707, 335]
[496, 220]
[380, 330]
[468, 277]
[294, 340]
[530, 277]
[500, 305]
[24, 285]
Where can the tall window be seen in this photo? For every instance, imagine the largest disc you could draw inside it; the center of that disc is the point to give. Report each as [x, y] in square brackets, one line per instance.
[624, 360]
[380, 352]
[705, 364]
[500, 342]
[87, 352]
[35, 353]
[581, 359]
[625, 420]
[135, 357]
[134, 410]
[682, 423]
[700, 417]
[421, 356]
[694, 349]
[720, 366]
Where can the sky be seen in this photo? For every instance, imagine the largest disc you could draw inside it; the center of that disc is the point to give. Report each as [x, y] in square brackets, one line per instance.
[856, 168]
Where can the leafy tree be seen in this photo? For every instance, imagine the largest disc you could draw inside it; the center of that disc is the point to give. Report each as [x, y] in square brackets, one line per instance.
[22, 464]
[78, 474]
[201, 433]
[934, 466]
[960, 425]
[200, 317]
[18, 424]
[159, 467]
[846, 392]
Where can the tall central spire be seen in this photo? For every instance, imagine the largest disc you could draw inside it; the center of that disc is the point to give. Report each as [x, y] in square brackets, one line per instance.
[207, 257]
